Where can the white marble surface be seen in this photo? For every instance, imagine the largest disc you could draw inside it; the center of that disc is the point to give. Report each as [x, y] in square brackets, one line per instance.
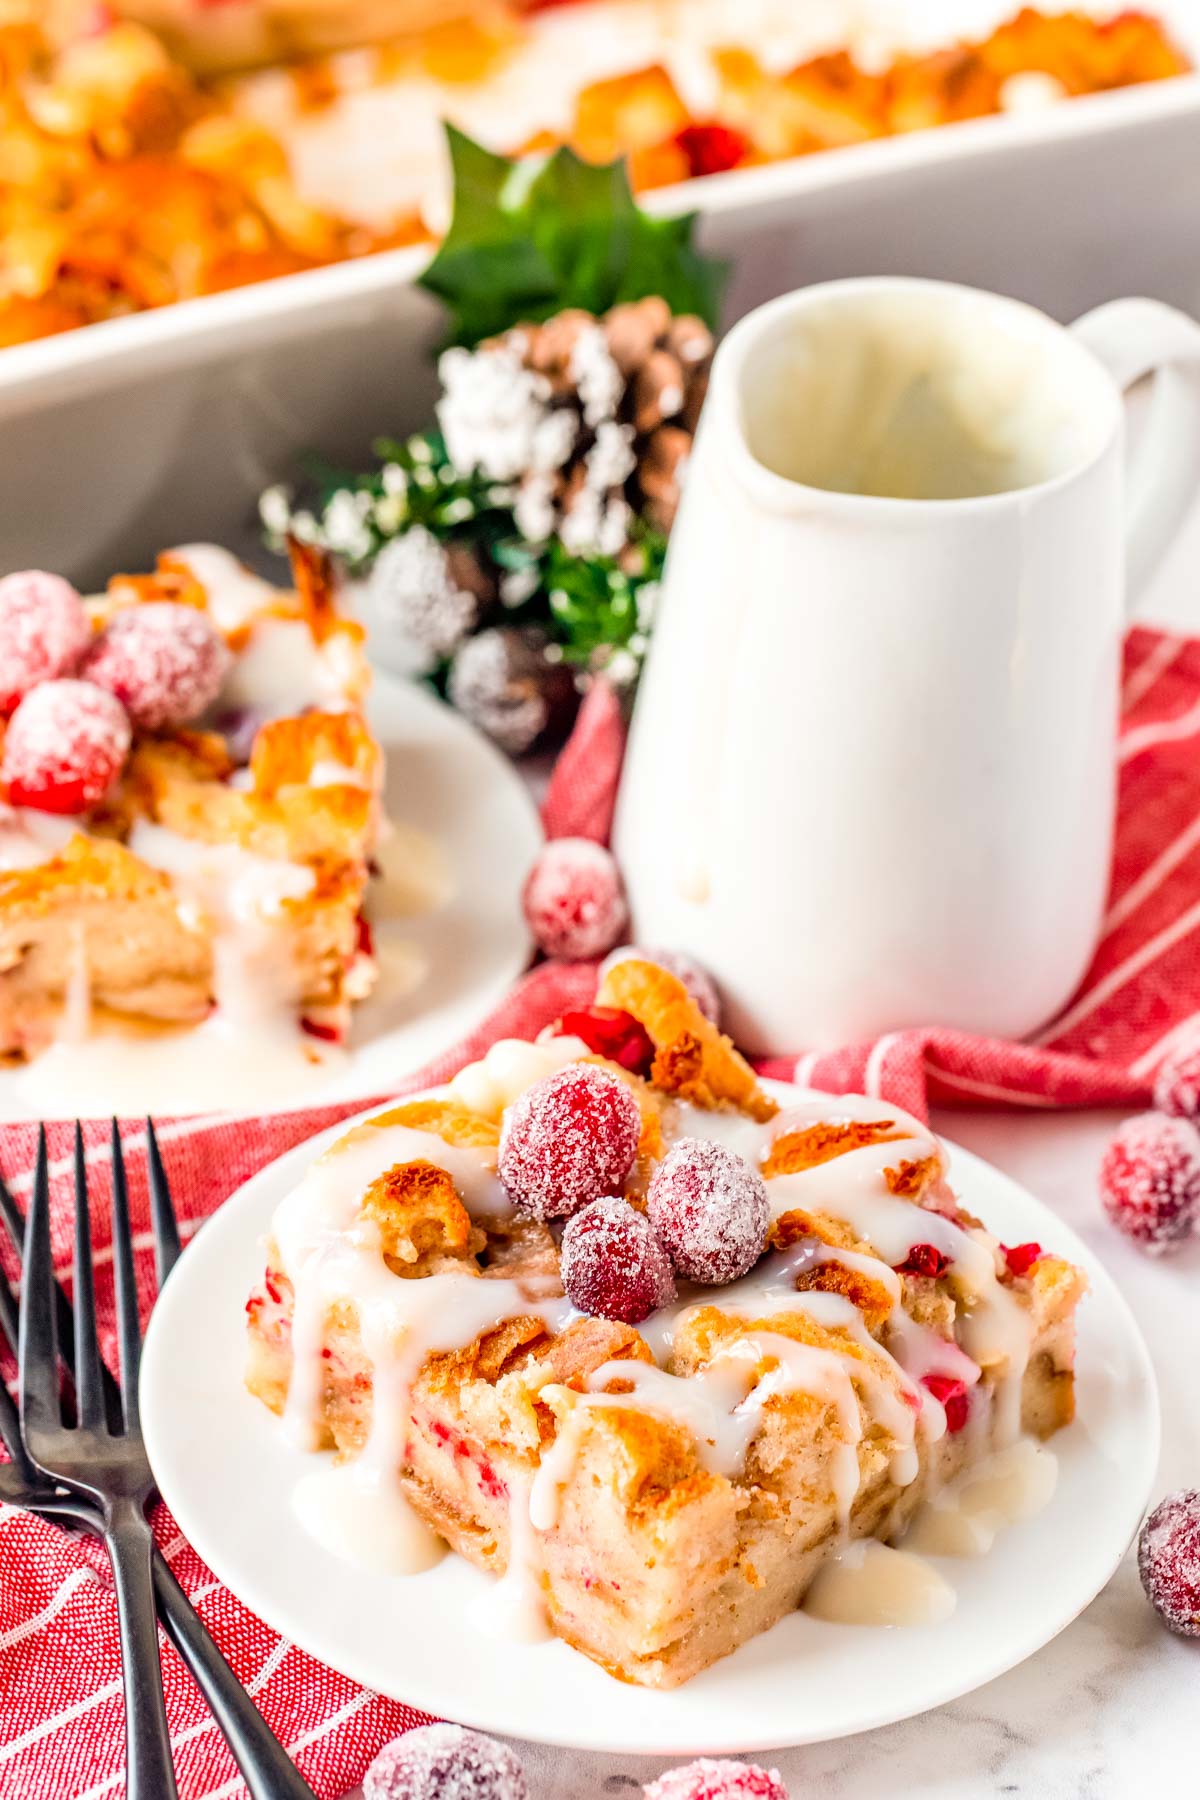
[1108, 1711]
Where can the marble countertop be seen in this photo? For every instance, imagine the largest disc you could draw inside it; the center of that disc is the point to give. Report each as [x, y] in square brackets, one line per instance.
[1109, 1709]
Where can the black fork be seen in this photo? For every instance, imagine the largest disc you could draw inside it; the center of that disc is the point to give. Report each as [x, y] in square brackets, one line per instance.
[265, 1766]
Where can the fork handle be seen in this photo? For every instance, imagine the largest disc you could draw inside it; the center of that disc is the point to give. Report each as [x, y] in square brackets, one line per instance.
[149, 1767]
[266, 1768]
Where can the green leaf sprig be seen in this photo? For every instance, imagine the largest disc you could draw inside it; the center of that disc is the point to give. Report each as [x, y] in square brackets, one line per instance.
[532, 235]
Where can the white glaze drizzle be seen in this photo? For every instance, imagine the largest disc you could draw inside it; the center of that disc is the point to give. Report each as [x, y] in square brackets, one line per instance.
[331, 1254]
[235, 595]
[325, 772]
[29, 838]
[280, 669]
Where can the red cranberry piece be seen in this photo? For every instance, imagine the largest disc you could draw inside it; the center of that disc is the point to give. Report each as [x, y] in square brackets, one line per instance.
[924, 1259]
[1021, 1257]
[1169, 1561]
[613, 1265]
[1150, 1180]
[321, 1030]
[608, 1031]
[568, 1139]
[710, 149]
[574, 899]
[1177, 1084]
[711, 1210]
[65, 746]
[696, 979]
[707, 1780]
[954, 1398]
[163, 661]
[44, 632]
[445, 1762]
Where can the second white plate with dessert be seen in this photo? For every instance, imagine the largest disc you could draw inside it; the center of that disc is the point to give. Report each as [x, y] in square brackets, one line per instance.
[228, 1475]
[449, 937]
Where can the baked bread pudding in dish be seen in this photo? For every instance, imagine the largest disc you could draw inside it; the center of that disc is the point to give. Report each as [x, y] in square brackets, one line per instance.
[651, 1348]
[188, 803]
[133, 178]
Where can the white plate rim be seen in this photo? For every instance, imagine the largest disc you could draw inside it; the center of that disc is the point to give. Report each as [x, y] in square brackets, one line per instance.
[155, 1380]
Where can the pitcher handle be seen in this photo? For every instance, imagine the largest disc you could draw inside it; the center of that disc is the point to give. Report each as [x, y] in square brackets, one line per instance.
[1131, 338]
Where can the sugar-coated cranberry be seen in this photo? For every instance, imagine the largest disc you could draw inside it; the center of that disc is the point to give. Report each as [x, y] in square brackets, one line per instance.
[575, 900]
[710, 1208]
[609, 1032]
[706, 1780]
[164, 662]
[1177, 1084]
[924, 1259]
[1021, 1257]
[1169, 1561]
[44, 632]
[65, 746]
[697, 980]
[954, 1398]
[445, 1762]
[1150, 1180]
[568, 1139]
[613, 1265]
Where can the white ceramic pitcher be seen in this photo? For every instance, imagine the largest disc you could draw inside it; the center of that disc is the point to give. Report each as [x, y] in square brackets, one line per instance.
[870, 782]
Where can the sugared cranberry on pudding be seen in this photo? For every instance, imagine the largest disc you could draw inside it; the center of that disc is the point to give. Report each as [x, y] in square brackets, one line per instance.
[710, 1208]
[163, 661]
[44, 632]
[568, 1139]
[613, 1264]
[64, 747]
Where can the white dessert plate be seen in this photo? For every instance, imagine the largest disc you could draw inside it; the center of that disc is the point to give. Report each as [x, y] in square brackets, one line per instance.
[226, 1472]
[450, 946]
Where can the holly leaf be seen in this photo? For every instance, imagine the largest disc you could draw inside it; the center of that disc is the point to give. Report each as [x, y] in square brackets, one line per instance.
[529, 236]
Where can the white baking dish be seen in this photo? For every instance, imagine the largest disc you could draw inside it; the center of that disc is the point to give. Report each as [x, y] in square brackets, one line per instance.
[125, 436]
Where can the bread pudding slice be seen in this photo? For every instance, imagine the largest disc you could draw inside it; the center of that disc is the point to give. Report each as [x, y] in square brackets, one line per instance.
[658, 1487]
[229, 860]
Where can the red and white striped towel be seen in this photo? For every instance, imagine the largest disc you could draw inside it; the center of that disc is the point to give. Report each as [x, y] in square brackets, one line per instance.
[60, 1702]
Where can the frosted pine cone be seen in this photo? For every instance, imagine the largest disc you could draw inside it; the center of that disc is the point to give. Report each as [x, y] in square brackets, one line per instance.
[506, 685]
[428, 594]
[592, 419]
